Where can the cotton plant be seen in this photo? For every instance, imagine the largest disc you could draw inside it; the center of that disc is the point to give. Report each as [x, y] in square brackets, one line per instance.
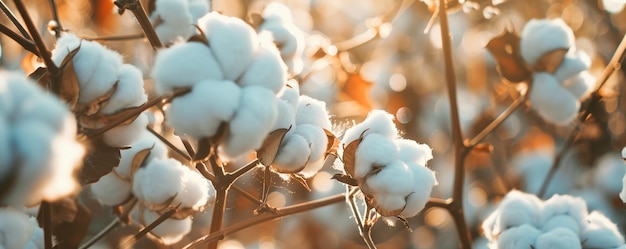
[106, 86]
[39, 150]
[389, 170]
[522, 220]
[233, 76]
[560, 71]
[174, 20]
[19, 231]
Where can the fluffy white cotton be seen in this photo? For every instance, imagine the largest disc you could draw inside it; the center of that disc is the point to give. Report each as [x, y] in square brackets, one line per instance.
[290, 93]
[551, 101]
[395, 178]
[566, 205]
[411, 151]
[289, 39]
[622, 194]
[158, 182]
[377, 121]
[198, 8]
[111, 189]
[130, 91]
[540, 36]
[146, 141]
[125, 135]
[600, 232]
[252, 122]
[201, 112]
[266, 69]
[175, 20]
[624, 153]
[292, 155]
[316, 139]
[312, 111]
[572, 64]
[559, 238]
[36, 240]
[195, 191]
[15, 229]
[423, 182]
[389, 204]
[581, 84]
[183, 65]
[608, 173]
[520, 237]
[375, 150]
[277, 12]
[561, 221]
[286, 116]
[170, 231]
[516, 208]
[232, 41]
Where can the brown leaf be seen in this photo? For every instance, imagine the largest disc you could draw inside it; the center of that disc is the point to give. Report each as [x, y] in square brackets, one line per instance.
[300, 179]
[69, 87]
[550, 61]
[70, 222]
[41, 76]
[349, 154]
[333, 143]
[346, 179]
[505, 49]
[139, 160]
[269, 149]
[99, 161]
[94, 122]
[93, 107]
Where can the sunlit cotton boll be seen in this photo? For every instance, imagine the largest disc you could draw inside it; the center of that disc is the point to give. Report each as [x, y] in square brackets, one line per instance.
[375, 150]
[551, 101]
[317, 142]
[312, 111]
[289, 38]
[146, 140]
[600, 232]
[130, 91]
[377, 121]
[198, 8]
[233, 42]
[172, 19]
[111, 189]
[566, 205]
[516, 208]
[195, 192]
[266, 69]
[158, 182]
[292, 155]
[201, 112]
[519, 237]
[411, 151]
[572, 64]
[580, 85]
[559, 238]
[124, 135]
[184, 65]
[423, 182]
[540, 36]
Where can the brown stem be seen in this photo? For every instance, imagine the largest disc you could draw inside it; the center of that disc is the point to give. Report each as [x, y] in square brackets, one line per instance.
[115, 37]
[131, 241]
[439, 203]
[142, 18]
[41, 45]
[25, 43]
[11, 16]
[115, 223]
[497, 121]
[46, 218]
[232, 177]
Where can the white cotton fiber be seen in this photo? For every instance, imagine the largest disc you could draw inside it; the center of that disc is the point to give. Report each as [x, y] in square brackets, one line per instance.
[313, 167]
[411, 151]
[423, 182]
[608, 172]
[158, 181]
[36, 240]
[315, 137]
[111, 190]
[564, 204]
[125, 135]
[184, 64]
[65, 159]
[195, 191]
[286, 116]
[389, 204]
[573, 63]
[232, 41]
[561, 221]
[600, 232]
[515, 209]
[41, 108]
[146, 140]
[252, 122]
[624, 153]
[552, 102]
[394, 178]
[201, 112]
[375, 150]
[559, 238]
[277, 12]
[171, 230]
[292, 155]
[266, 69]
[130, 91]
[542, 36]
[15, 229]
[96, 68]
[580, 85]
[519, 237]
[198, 8]
[312, 111]
[176, 21]
[290, 93]
[377, 121]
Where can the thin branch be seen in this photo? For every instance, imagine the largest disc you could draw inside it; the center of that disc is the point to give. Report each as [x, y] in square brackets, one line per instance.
[131, 241]
[116, 222]
[169, 144]
[55, 15]
[115, 37]
[41, 45]
[25, 43]
[11, 16]
[141, 16]
[439, 203]
[46, 217]
[232, 177]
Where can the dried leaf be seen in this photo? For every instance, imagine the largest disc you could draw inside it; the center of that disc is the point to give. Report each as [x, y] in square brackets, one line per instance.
[333, 143]
[301, 180]
[349, 154]
[550, 61]
[69, 87]
[505, 49]
[94, 122]
[99, 161]
[346, 179]
[269, 149]
[139, 161]
[70, 222]
[41, 76]
[94, 106]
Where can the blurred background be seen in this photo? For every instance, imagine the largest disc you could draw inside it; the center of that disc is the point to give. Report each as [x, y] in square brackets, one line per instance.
[366, 54]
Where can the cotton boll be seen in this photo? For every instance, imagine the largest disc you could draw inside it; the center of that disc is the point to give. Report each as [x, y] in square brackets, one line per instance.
[125, 135]
[559, 238]
[290, 42]
[252, 122]
[36, 240]
[516, 208]
[65, 159]
[375, 150]
[552, 102]
[564, 204]
[158, 181]
[608, 172]
[130, 91]
[195, 190]
[15, 229]
[292, 155]
[171, 230]
[394, 178]
[312, 167]
[622, 194]
[64, 45]
[377, 121]
[290, 93]
[266, 69]
[389, 204]
[411, 151]
[561, 221]
[111, 190]
[96, 68]
[286, 116]
[600, 232]
[176, 21]
[624, 153]
[198, 8]
[519, 237]
[201, 112]
[423, 182]
[183, 65]
[312, 111]
[541, 36]
[580, 85]
[316, 138]
[232, 41]
[146, 140]
[573, 64]
[42, 108]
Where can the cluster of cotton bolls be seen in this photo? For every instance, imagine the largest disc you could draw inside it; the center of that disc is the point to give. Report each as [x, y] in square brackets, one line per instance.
[175, 19]
[303, 147]
[38, 147]
[19, 231]
[234, 80]
[561, 222]
[390, 170]
[158, 183]
[288, 37]
[561, 76]
[100, 71]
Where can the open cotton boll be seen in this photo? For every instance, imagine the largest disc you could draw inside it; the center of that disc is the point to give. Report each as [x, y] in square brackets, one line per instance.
[198, 8]
[573, 64]
[288, 38]
[252, 122]
[377, 121]
[195, 190]
[315, 137]
[312, 167]
[176, 21]
[232, 41]
[519, 237]
[580, 85]
[183, 65]
[111, 190]
[600, 232]
[375, 150]
[564, 204]
[552, 102]
[389, 204]
[411, 151]
[42, 108]
[201, 112]
[290, 93]
[312, 111]
[423, 182]
[158, 181]
[540, 36]
[64, 45]
[146, 140]
[15, 229]
[286, 116]
[266, 69]
[559, 238]
[171, 230]
[65, 159]
[292, 155]
[561, 221]
[125, 135]
[515, 209]
[130, 91]
[394, 178]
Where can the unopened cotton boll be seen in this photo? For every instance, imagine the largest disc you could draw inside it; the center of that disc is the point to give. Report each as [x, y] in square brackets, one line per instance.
[600, 232]
[130, 91]
[411, 151]
[183, 65]
[201, 112]
[312, 111]
[559, 238]
[552, 102]
[146, 140]
[519, 237]
[15, 229]
[111, 190]
[232, 41]
[125, 135]
[377, 121]
[542, 36]
[266, 69]
[158, 182]
[176, 21]
[375, 150]
[169, 231]
[195, 190]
